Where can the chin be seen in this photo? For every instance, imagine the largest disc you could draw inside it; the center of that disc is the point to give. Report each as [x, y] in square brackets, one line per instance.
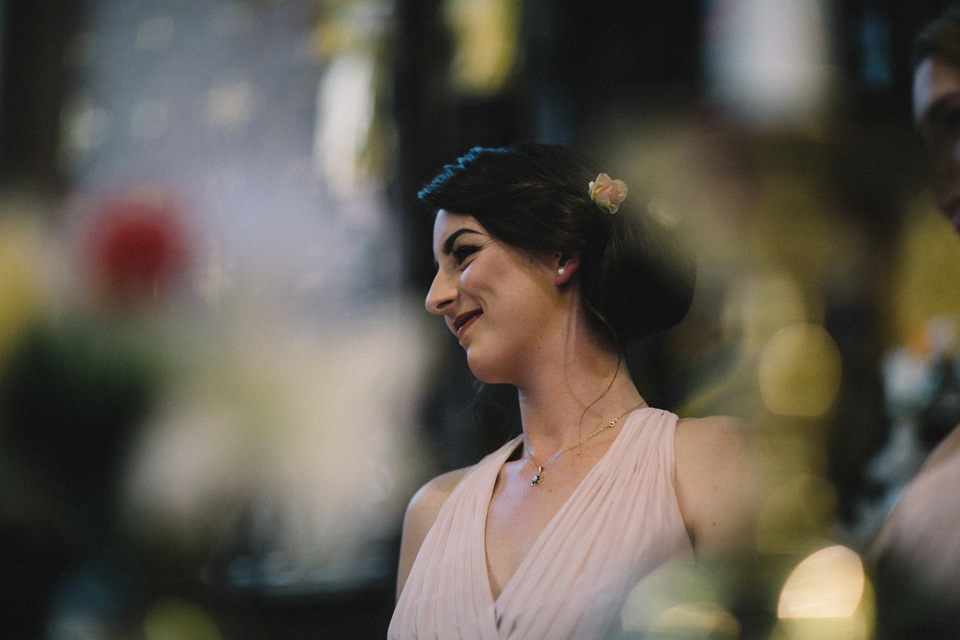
[484, 370]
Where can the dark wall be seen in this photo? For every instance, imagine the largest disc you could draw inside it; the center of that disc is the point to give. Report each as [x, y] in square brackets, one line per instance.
[34, 84]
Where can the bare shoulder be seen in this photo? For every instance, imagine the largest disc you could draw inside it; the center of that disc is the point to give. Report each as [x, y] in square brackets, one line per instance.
[421, 514]
[712, 427]
[947, 451]
[703, 440]
[719, 476]
[426, 503]
[922, 522]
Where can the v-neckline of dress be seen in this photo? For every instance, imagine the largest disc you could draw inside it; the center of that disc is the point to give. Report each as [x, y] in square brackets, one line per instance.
[505, 454]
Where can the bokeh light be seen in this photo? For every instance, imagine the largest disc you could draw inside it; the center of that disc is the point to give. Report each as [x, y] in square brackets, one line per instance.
[485, 43]
[678, 600]
[770, 62]
[25, 275]
[179, 619]
[136, 246]
[800, 371]
[827, 596]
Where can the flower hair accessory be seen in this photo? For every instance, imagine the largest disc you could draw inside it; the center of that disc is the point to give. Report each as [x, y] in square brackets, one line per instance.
[608, 193]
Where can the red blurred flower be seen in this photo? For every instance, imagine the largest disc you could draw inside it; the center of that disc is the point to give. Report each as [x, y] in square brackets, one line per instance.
[137, 249]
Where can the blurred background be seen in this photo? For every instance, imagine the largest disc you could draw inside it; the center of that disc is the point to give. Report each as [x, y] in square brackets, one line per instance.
[218, 388]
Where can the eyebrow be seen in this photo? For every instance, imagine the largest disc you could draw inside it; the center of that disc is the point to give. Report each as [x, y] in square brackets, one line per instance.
[448, 243]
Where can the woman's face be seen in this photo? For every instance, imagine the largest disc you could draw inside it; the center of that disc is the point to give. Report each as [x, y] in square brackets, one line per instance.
[936, 109]
[500, 303]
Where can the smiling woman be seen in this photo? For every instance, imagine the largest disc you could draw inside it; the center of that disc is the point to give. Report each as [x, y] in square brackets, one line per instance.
[546, 270]
[504, 297]
[536, 199]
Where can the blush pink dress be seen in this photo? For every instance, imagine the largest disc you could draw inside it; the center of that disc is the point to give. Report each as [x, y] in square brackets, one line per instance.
[620, 524]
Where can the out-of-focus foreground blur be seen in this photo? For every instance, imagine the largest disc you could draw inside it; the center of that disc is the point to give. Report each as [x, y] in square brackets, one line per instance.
[218, 388]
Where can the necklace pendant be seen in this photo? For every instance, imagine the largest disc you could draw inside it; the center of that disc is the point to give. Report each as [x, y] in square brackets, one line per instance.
[538, 478]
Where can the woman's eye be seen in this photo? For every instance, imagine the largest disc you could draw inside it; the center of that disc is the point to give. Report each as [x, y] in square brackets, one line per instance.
[464, 251]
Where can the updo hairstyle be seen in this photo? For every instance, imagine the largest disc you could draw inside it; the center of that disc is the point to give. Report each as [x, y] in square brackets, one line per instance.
[633, 278]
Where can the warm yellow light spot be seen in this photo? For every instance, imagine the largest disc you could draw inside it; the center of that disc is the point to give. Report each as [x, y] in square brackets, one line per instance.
[827, 584]
[762, 304]
[22, 251]
[171, 618]
[485, 42]
[696, 620]
[799, 372]
[926, 270]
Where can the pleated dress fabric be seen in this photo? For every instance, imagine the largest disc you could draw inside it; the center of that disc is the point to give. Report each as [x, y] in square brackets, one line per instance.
[619, 525]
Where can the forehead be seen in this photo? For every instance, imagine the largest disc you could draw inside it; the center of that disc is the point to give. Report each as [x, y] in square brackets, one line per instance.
[447, 223]
[934, 81]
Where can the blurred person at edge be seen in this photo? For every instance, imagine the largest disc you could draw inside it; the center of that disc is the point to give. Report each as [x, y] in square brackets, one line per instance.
[916, 556]
[543, 277]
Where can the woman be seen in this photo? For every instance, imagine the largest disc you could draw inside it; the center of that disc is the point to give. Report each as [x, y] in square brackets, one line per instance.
[545, 271]
[915, 558]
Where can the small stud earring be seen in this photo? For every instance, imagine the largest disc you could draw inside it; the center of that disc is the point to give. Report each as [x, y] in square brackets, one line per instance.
[561, 271]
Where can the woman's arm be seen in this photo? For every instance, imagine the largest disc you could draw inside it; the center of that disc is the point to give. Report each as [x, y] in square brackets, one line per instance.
[420, 516]
[720, 483]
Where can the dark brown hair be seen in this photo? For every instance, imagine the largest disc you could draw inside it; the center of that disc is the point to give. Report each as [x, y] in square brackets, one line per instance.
[633, 278]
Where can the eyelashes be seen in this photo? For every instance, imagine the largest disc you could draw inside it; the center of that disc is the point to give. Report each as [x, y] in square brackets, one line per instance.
[464, 251]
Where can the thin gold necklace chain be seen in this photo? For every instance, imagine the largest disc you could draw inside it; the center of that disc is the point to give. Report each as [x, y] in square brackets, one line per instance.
[538, 477]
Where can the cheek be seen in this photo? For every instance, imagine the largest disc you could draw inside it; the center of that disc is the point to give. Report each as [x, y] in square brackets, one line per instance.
[483, 275]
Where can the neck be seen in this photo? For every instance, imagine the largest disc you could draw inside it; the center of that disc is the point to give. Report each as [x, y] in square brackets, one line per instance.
[573, 384]
[574, 401]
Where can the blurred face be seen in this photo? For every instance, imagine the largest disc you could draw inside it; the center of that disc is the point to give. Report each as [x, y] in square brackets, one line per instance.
[499, 302]
[936, 110]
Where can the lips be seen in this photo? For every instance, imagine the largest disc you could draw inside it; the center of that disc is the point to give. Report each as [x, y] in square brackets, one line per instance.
[461, 322]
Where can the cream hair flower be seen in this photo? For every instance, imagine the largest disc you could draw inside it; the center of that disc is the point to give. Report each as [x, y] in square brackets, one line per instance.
[608, 193]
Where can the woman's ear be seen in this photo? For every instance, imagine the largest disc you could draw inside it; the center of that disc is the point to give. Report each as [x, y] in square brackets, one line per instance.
[566, 267]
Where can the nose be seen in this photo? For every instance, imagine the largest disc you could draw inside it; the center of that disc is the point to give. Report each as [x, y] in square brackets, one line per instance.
[441, 295]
